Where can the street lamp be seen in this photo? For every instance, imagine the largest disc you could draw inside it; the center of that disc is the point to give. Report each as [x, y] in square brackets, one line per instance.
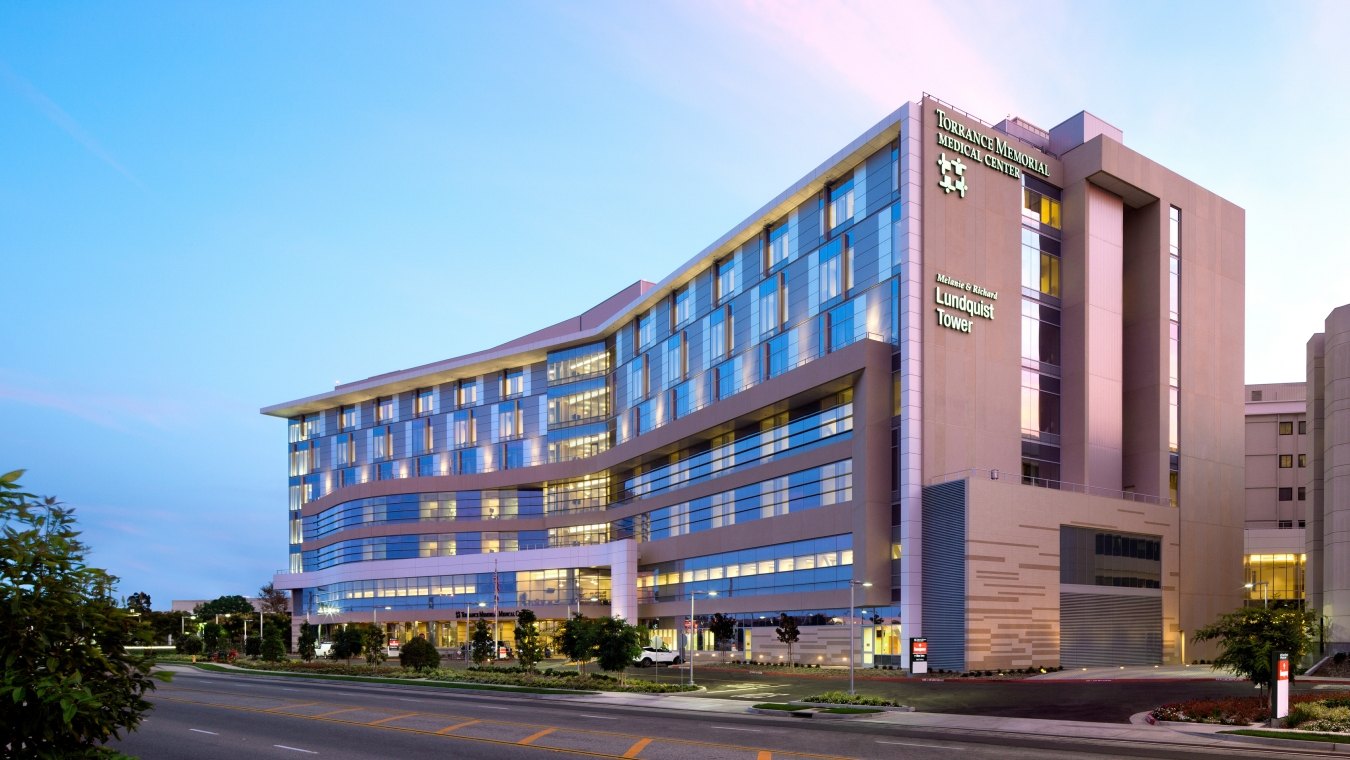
[1265, 591]
[692, 596]
[852, 627]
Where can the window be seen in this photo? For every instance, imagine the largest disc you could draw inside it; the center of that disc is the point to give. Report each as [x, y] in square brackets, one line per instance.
[1302, 460]
[724, 274]
[841, 203]
[1286, 428]
[682, 306]
[1040, 208]
[382, 443]
[425, 403]
[719, 333]
[422, 437]
[465, 431]
[467, 393]
[677, 360]
[644, 331]
[638, 385]
[1285, 524]
[1286, 494]
[778, 245]
[509, 422]
[384, 409]
[1040, 263]
[1302, 427]
[345, 446]
[834, 271]
[351, 418]
[1302, 496]
[513, 382]
[1286, 460]
[1256, 395]
[770, 305]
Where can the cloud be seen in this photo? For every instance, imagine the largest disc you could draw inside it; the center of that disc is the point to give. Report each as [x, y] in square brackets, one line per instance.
[64, 121]
[115, 412]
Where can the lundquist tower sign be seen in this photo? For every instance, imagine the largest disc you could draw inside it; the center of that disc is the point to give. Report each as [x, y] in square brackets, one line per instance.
[962, 298]
[994, 152]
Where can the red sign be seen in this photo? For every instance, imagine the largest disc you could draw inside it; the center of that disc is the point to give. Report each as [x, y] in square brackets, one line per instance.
[921, 647]
[1283, 674]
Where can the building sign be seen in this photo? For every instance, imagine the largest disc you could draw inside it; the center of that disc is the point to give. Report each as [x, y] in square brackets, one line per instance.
[484, 613]
[918, 654]
[962, 298]
[1279, 691]
[994, 152]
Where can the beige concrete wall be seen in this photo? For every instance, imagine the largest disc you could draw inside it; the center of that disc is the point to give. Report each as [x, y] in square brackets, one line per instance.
[1012, 567]
[1329, 530]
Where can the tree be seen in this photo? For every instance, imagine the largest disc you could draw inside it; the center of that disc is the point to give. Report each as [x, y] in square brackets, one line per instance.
[576, 640]
[419, 654]
[69, 684]
[1248, 636]
[309, 637]
[529, 649]
[213, 636]
[616, 643]
[139, 602]
[481, 645]
[787, 633]
[273, 650]
[373, 642]
[722, 627]
[226, 605]
[191, 645]
[272, 600]
[253, 646]
[347, 643]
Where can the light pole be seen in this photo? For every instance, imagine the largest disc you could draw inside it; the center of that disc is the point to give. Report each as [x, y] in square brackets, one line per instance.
[692, 629]
[1265, 591]
[852, 627]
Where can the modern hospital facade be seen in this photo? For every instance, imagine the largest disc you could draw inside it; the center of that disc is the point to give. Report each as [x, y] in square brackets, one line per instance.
[993, 371]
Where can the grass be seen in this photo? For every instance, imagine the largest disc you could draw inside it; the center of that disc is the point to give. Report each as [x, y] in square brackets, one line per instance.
[1296, 735]
[781, 706]
[403, 681]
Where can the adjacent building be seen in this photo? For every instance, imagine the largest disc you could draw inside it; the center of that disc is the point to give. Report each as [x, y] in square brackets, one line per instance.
[1328, 392]
[979, 383]
[1278, 484]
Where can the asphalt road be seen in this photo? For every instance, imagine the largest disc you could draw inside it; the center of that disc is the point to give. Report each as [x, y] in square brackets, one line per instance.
[217, 715]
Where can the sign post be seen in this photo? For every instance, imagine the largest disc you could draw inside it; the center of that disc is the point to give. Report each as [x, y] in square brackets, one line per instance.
[918, 655]
[1279, 686]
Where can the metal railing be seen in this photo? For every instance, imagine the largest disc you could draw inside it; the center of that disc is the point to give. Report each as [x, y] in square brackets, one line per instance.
[1058, 485]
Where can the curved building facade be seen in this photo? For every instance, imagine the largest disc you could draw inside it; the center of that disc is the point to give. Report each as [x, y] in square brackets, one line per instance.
[992, 372]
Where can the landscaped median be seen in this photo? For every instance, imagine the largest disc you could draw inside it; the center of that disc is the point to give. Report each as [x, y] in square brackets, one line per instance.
[482, 679]
[831, 704]
[1323, 718]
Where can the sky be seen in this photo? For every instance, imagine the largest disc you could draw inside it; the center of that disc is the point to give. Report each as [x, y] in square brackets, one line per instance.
[207, 208]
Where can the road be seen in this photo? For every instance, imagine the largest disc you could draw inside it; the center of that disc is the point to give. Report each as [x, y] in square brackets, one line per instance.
[226, 716]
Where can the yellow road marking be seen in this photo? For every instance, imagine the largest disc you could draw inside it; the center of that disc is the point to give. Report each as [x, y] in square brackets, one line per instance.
[382, 721]
[637, 747]
[334, 712]
[444, 731]
[448, 729]
[287, 707]
[538, 734]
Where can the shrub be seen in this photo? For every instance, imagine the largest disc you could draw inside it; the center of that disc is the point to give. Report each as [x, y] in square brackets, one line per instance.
[1319, 716]
[419, 654]
[844, 698]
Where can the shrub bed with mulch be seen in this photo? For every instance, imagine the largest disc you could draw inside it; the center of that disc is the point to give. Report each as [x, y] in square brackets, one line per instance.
[1243, 711]
[545, 679]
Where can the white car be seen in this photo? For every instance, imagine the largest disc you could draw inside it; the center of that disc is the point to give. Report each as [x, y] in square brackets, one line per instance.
[323, 648]
[656, 656]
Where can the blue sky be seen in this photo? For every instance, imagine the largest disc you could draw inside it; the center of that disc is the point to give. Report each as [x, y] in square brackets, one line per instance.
[209, 208]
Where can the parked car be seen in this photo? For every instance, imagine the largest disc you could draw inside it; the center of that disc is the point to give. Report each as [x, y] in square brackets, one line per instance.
[656, 656]
[323, 649]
